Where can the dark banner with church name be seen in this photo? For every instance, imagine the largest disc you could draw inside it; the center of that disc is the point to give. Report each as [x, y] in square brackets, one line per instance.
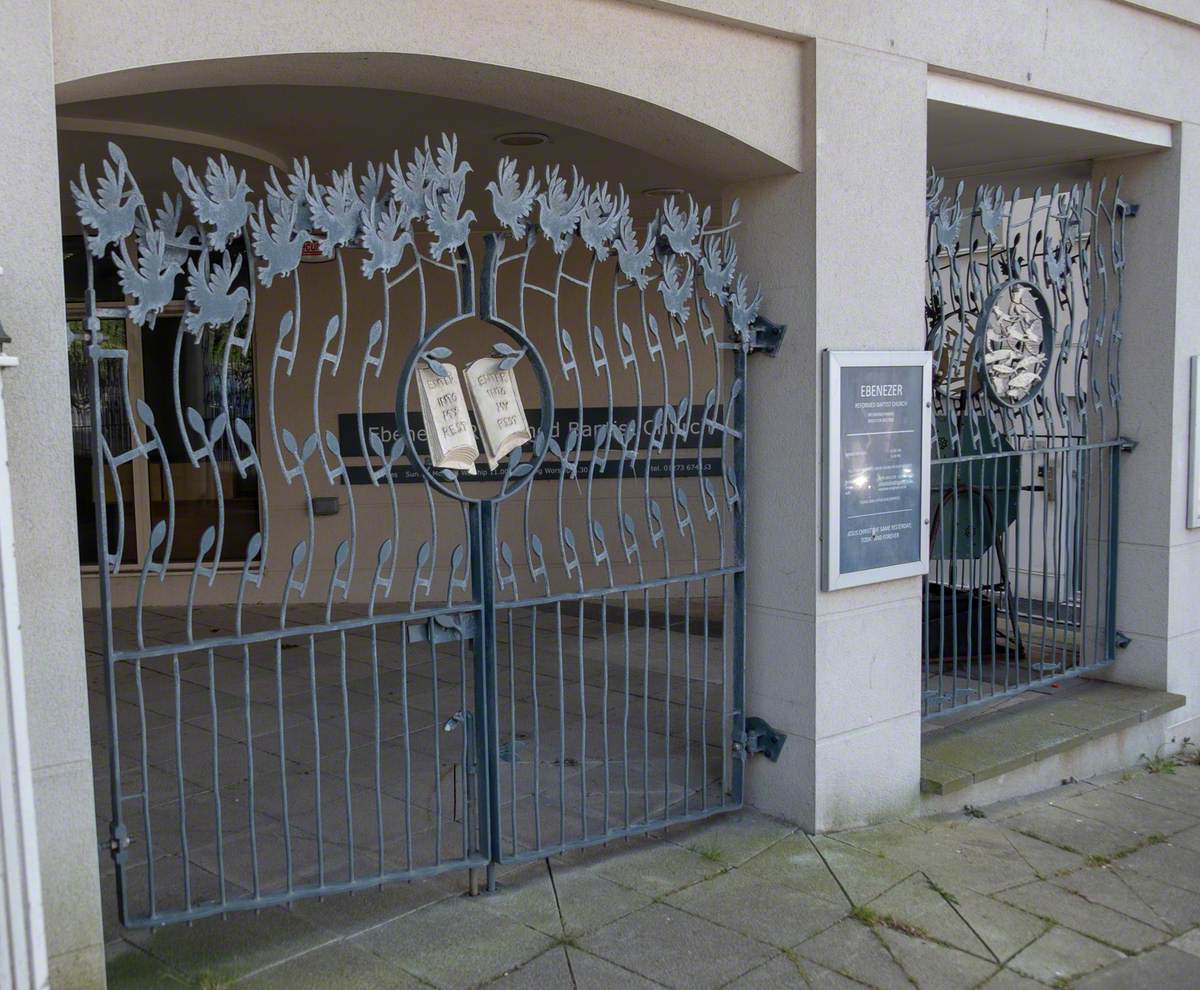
[687, 463]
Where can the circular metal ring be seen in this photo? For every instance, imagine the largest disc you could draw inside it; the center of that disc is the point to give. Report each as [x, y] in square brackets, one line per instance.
[980, 342]
[545, 389]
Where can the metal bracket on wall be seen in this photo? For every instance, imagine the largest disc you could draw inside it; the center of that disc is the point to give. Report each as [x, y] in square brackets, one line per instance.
[1128, 445]
[1122, 640]
[765, 336]
[760, 737]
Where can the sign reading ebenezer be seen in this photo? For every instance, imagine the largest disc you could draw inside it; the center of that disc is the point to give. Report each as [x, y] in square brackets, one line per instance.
[876, 463]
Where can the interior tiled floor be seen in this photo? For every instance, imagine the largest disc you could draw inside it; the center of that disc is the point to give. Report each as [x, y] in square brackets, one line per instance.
[252, 770]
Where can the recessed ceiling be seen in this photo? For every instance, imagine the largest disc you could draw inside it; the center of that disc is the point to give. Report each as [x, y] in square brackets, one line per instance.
[334, 126]
[964, 141]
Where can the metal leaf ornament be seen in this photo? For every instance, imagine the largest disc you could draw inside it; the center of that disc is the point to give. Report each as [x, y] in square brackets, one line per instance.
[112, 210]
[559, 210]
[221, 202]
[213, 304]
[512, 204]
[633, 261]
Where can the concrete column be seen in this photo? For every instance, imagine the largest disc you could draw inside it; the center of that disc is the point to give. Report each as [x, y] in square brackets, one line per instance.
[39, 447]
[840, 250]
[1159, 557]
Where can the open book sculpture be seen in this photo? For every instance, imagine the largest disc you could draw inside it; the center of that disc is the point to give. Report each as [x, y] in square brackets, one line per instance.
[498, 407]
[447, 425]
[499, 412]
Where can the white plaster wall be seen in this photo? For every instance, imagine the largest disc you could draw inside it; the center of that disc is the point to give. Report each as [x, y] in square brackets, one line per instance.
[31, 306]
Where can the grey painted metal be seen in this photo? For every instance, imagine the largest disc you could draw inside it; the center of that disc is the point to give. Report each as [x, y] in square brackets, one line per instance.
[325, 763]
[1024, 316]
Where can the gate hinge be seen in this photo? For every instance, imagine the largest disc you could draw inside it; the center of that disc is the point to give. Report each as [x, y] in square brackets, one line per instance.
[1121, 640]
[1128, 445]
[118, 842]
[759, 737]
[765, 336]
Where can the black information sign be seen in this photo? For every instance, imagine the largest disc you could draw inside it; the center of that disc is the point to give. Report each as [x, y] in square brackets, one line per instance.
[877, 465]
[383, 426]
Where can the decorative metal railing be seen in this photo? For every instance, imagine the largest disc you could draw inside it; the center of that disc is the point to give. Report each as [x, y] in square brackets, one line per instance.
[1024, 321]
[454, 669]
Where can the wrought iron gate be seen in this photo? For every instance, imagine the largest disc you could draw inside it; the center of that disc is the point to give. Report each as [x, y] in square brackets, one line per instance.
[330, 664]
[1024, 317]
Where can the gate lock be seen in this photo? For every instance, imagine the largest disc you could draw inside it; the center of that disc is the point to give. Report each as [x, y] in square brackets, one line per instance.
[760, 737]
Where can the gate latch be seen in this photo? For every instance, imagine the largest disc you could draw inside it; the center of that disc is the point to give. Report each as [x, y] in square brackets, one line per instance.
[760, 737]
[118, 842]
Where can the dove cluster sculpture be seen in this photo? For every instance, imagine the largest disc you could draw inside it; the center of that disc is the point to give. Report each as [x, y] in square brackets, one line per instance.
[408, 220]
[1023, 375]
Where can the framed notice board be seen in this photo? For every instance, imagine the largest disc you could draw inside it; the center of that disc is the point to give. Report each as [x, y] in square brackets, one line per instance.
[876, 466]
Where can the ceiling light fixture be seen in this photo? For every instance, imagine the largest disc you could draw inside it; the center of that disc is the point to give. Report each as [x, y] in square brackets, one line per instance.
[663, 192]
[522, 139]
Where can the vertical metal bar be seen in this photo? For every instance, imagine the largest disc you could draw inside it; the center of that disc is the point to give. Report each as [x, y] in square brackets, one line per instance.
[184, 854]
[739, 578]
[1114, 499]
[312, 676]
[346, 755]
[287, 822]
[250, 812]
[483, 549]
[216, 775]
[117, 830]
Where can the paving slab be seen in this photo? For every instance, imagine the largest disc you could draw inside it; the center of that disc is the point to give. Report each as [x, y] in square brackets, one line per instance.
[1188, 942]
[340, 965]
[586, 900]
[1094, 920]
[936, 967]
[862, 875]
[130, 968]
[1179, 790]
[1150, 901]
[777, 914]
[1163, 968]
[450, 944]
[656, 868]
[733, 839]
[853, 949]
[1125, 810]
[676, 948]
[1006, 979]
[916, 903]
[1073, 832]
[1004, 929]
[795, 862]
[225, 949]
[1176, 865]
[1062, 954]
[564, 966]
[788, 971]
[350, 914]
